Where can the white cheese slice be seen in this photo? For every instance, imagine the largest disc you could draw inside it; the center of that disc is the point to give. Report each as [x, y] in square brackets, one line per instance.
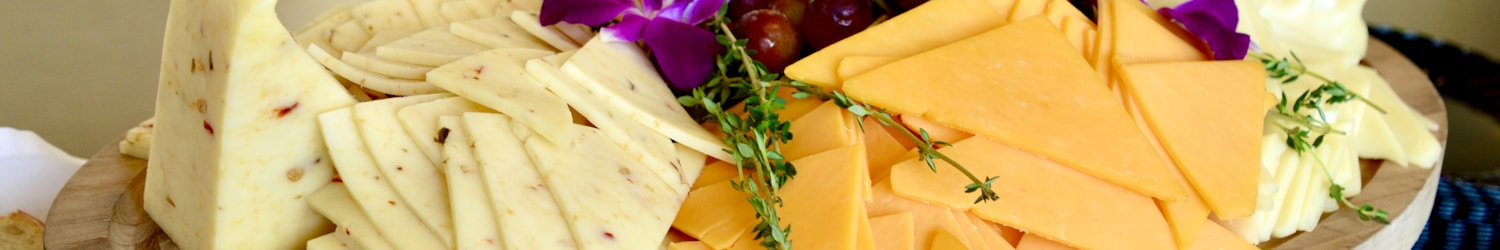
[529, 217]
[237, 144]
[383, 37]
[1314, 193]
[560, 58]
[1409, 127]
[326, 242]
[371, 81]
[378, 201]
[497, 79]
[533, 6]
[318, 31]
[432, 47]
[414, 176]
[532, 23]
[643, 144]
[497, 32]
[608, 199]
[336, 203]
[474, 223]
[577, 33]
[692, 163]
[388, 15]
[429, 12]
[622, 76]
[421, 122]
[137, 142]
[457, 11]
[488, 7]
[373, 64]
[349, 36]
[1296, 195]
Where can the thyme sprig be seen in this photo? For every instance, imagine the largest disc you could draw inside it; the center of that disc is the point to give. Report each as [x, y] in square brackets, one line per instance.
[926, 147]
[1306, 123]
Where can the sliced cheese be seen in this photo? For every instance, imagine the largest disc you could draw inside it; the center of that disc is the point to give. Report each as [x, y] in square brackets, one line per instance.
[531, 22]
[646, 146]
[383, 37]
[1033, 242]
[1022, 85]
[1409, 126]
[716, 214]
[497, 32]
[854, 65]
[372, 64]
[988, 232]
[337, 203]
[944, 240]
[621, 75]
[326, 242]
[429, 12]
[414, 176]
[825, 128]
[350, 36]
[432, 47]
[940, 22]
[317, 32]
[823, 203]
[884, 150]
[457, 11]
[529, 217]
[137, 142]
[236, 143]
[1215, 236]
[1059, 11]
[935, 132]
[474, 223]
[970, 233]
[1076, 30]
[1087, 213]
[692, 163]
[718, 172]
[927, 219]
[1185, 217]
[688, 245]
[1027, 9]
[1143, 36]
[893, 231]
[369, 80]
[421, 123]
[376, 198]
[592, 181]
[497, 79]
[384, 15]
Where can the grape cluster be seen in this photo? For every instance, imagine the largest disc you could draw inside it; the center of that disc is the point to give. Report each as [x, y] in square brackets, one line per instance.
[781, 30]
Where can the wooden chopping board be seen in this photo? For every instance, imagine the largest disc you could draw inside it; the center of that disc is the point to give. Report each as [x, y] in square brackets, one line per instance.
[100, 206]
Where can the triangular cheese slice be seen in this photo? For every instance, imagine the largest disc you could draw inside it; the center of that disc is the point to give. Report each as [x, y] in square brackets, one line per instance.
[1023, 85]
[433, 47]
[474, 222]
[927, 219]
[592, 181]
[939, 22]
[943, 240]
[497, 79]
[1215, 236]
[1087, 213]
[377, 199]
[236, 137]
[411, 173]
[1208, 116]
[854, 65]
[716, 214]
[497, 32]
[1143, 36]
[823, 204]
[622, 75]
[1184, 216]
[421, 122]
[529, 217]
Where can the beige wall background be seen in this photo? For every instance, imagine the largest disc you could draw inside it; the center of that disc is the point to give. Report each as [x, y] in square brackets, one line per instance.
[81, 72]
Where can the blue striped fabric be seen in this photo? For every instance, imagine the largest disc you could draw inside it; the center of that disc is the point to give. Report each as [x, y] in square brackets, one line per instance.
[1463, 216]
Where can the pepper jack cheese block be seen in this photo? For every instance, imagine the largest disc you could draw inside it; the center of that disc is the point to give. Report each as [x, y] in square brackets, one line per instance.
[1023, 85]
[497, 79]
[621, 75]
[1208, 117]
[647, 146]
[609, 199]
[335, 202]
[529, 217]
[237, 143]
[940, 22]
[376, 198]
[474, 223]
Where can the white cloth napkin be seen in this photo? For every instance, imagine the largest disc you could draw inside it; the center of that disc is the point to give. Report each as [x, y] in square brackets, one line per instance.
[32, 172]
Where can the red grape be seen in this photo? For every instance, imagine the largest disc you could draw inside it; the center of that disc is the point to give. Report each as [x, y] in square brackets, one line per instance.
[772, 36]
[792, 8]
[828, 21]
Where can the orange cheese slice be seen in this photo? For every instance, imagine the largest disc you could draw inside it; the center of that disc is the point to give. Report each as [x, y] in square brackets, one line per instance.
[1104, 42]
[824, 128]
[1184, 216]
[943, 240]
[823, 202]
[893, 231]
[1028, 8]
[939, 22]
[855, 65]
[1033, 242]
[865, 237]
[927, 218]
[717, 215]
[935, 132]
[989, 232]
[1076, 32]
[717, 172]
[688, 245]
[1060, 10]
[971, 233]
[882, 148]
[1023, 85]
[1208, 116]
[1043, 198]
[1142, 36]
[1216, 237]
[793, 109]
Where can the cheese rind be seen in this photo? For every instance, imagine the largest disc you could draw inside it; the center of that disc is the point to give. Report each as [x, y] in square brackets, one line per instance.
[529, 217]
[376, 198]
[236, 142]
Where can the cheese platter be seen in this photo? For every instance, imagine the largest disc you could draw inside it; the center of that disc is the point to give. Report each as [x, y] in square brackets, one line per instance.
[561, 132]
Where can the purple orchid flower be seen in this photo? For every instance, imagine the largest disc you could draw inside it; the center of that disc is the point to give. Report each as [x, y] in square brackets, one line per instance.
[1214, 22]
[684, 52]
